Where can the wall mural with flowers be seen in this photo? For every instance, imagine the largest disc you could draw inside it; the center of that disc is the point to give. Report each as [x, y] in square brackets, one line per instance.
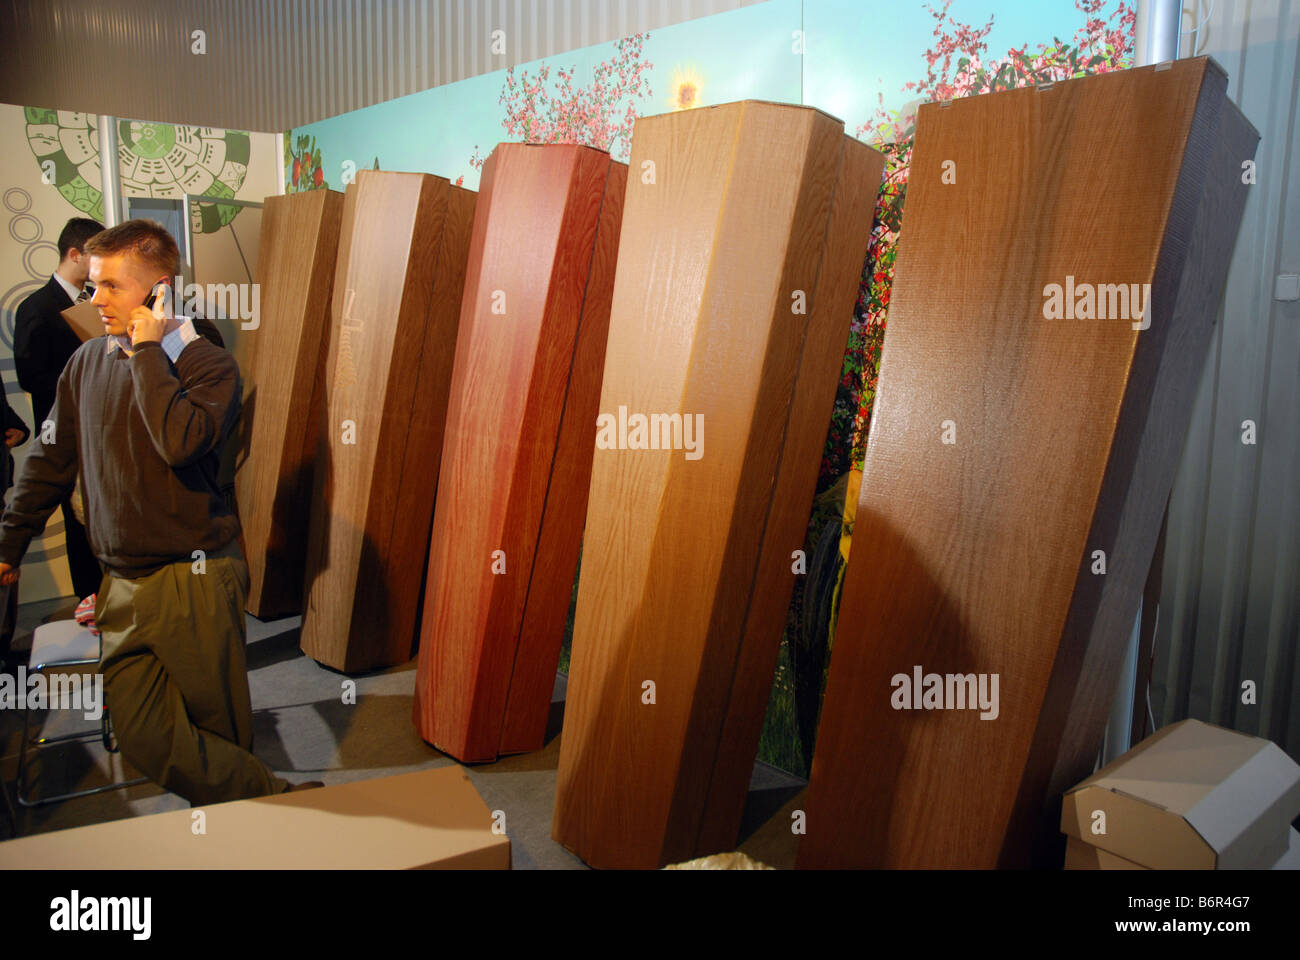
[868, 63]
[590, 96]
[304, 169]
[302, 162]
[599, 114]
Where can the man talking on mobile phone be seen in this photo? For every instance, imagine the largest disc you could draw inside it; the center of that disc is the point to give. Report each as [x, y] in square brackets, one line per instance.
[143, 413]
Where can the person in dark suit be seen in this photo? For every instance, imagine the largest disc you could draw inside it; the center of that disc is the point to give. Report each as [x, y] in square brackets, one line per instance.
[43, 342]
[15, 434]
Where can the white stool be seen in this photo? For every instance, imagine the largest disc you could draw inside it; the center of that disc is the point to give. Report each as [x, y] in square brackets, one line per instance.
[63, 643]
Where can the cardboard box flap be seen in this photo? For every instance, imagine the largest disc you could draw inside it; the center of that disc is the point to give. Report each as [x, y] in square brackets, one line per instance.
[1243, 817]
[1105, 772]
[1134, 829]
[1179, 767]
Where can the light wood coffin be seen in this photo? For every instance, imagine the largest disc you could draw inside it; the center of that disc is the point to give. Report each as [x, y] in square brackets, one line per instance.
[393, 318]
[281, 363]
[425, 820]
[1011, 448]
[517, 455]
[745, 229]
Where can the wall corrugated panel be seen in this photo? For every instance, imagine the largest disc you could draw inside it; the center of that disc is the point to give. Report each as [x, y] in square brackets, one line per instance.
[351, 54]
[1230, 606]
[275, 64]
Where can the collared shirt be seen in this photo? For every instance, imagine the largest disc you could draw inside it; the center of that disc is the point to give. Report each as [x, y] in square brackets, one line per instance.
[68, 288]
[172, 343]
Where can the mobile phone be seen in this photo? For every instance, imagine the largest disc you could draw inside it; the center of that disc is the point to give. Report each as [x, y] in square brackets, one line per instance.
[156, 295]
[155, 299]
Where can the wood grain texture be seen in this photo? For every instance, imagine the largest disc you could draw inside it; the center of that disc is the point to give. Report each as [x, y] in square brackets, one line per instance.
[559, 541]
[702, 322]
[517, 453]
[832, 302]
[975, 557]
[394, 313]
[280, 420]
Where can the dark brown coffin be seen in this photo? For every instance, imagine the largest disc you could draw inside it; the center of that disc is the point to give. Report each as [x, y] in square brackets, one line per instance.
[977, 557]
[281, 362]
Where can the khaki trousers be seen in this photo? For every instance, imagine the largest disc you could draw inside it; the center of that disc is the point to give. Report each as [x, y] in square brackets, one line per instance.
[176, 679]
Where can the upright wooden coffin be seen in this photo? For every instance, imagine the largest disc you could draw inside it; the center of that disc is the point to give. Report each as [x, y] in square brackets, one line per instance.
[517, 455]
[282, 361]
[1019, 443]
[393, 317]
[729, 305]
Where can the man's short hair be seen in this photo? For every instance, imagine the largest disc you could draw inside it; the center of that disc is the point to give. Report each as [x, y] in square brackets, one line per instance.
[148, 240]
[75, 234]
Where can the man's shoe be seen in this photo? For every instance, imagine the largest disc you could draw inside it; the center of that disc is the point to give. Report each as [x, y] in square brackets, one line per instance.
[305, 785]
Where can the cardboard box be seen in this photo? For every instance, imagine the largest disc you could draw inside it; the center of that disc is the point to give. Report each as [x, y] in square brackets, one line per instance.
[1291, 859]
[1192, 796]
[428, 819]
[84, 320]
[1084, 856]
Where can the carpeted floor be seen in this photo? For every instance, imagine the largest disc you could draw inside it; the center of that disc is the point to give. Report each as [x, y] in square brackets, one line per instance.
[305, 731]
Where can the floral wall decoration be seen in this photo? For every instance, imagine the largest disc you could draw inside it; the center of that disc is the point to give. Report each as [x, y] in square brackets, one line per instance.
[957, 65]
[599, 114]
[303, 162]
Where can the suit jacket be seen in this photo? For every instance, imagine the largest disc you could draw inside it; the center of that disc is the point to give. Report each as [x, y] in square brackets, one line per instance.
[208, 330]
[43, 342]
[8, 418]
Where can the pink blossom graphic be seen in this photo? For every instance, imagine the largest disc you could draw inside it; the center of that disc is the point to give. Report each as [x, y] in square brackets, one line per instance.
[600, 114]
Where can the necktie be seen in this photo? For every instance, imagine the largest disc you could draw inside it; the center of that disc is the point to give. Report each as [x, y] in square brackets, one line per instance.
[84, 295]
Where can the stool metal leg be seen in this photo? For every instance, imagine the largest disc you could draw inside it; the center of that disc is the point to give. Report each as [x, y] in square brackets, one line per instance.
[104, 734]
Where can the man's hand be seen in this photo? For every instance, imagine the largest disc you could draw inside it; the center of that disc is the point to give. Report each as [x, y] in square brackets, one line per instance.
[145, 326]
[148, 322]
[13, 437]
[8, 575]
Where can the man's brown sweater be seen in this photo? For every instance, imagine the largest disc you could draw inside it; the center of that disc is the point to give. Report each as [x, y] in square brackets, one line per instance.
[147, 434]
